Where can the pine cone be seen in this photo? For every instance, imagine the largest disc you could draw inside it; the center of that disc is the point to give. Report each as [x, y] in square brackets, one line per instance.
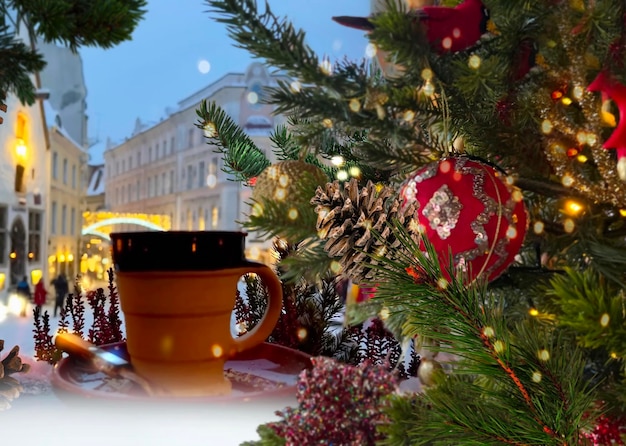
[346, 218]
[10, 388]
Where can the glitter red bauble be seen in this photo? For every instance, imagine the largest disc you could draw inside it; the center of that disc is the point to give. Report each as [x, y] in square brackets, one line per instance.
[470, 210]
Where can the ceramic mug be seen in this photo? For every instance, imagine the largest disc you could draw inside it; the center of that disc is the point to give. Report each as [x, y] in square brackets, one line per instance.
[177, 291]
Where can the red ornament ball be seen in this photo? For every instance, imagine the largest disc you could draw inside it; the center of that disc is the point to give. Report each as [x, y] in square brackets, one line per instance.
[468, 209]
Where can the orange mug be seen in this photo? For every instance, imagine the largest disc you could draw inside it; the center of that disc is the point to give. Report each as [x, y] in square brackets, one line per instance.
[177, 291]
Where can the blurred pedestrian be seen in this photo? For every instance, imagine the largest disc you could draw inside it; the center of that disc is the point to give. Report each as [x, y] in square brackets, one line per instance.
[40, 295]
[23, 291]
[61, 289]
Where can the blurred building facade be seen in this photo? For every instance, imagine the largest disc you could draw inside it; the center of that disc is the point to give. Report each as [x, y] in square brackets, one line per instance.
[68, 184]
[24, 190]
[66, 118]
[168, 169]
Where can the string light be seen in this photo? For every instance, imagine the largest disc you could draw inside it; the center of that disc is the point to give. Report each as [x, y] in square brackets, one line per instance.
[567, 180]
[474, 62]
[292, 214]
[573, 207]
[209, 129]
[427, 74]
[337, 160]
[537, 376]
[355, 105]
[354, 171]
[546, 126]
[543, 355]
[408, 115]
[428, 88]
[326, 67]
[295, 87]
[604, 320]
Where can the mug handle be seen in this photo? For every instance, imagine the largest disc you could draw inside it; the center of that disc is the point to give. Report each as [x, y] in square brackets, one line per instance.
[265, 326]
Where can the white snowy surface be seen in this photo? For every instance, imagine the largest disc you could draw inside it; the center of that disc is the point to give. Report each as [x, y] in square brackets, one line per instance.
[40, 417]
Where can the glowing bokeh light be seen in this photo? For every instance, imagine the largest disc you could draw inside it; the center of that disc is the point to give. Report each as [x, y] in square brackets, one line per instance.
[204, 66]
[370, 50]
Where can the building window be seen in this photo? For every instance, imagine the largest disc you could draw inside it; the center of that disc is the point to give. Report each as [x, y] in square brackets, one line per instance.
[73, 176]
[163, 183]
[201, 175]
[191, 133]
[171, 181]
[137, 195]
[73, 221]
[55, 165]
[63, 220]
[3, 234]
[149, 154]
[156, 185]
[34, 235]
[128, 194]
[164, 148]
[201, 220]
[53, 218]
[215, 216]
[189, 177]
[149, 187]
[64, 170]
[156, 151]
[138, 159]
[172, 145]
[123, 166]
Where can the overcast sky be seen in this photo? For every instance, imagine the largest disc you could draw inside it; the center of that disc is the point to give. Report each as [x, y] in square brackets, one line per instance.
[161, 65]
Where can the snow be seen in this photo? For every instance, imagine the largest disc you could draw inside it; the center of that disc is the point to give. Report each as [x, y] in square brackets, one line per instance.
[96, 181]
[41, 416]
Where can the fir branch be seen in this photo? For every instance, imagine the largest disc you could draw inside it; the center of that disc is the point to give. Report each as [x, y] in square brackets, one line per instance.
[477, 333]
[17, 61]
[265, 35]
[591, 307]
[98, 23]
[242, 158]
[287, 147]
[309, 262]
[270, 218]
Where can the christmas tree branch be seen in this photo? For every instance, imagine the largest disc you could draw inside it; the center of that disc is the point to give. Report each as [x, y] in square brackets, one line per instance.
[17, 61]
[476, 332]
[242, 158]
